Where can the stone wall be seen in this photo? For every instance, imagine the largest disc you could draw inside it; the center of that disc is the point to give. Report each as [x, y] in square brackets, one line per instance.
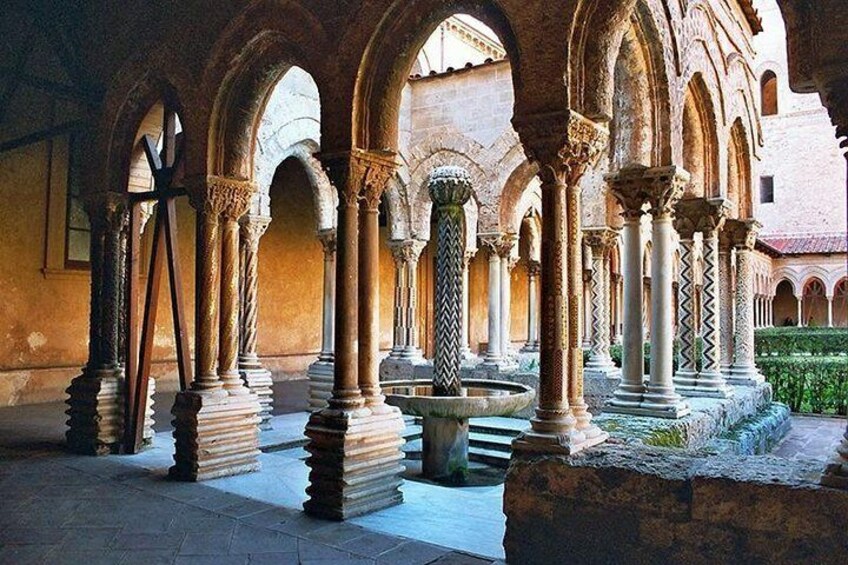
[625, 505]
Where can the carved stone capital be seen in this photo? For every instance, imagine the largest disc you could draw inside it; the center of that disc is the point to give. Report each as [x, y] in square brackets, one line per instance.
[742, 234]
[107, 211]
[834, 96]
[360, 175]
[450, 186]
[562, 144]
[500, 244]
[327, 238]
[534, 268]
[251, 229]
[406, 250]
[660, 187]
[700, 215]
[220, 196]
[601, 240]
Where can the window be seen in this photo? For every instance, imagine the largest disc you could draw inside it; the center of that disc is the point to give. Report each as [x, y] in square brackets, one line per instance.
[768, 93]
[766, 190]
[77, 227]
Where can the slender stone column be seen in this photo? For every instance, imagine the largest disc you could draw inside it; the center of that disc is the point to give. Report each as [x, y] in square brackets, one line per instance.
[626, 186]
[601, 241]
[532, 344]
[707, 217]
[725, 300]
[563, 145]
[95, 398]
[661, 187]
[618, 308]
[664, 191]
[799, 301]
[465, 348]
[255, 376]
[744, 371]
[508, 262]
[216, 421]
[494, 355]
[406, 254]
[354, 443]
[320, 372]
[830, 311]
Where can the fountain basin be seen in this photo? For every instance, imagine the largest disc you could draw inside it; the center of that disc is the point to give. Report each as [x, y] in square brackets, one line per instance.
[445, 418]
[481, 399]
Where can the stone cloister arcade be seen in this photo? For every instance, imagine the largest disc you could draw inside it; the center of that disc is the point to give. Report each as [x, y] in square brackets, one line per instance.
[631, 125]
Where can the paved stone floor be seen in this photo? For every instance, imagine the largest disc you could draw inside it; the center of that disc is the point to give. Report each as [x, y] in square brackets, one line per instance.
[814, 437]
[60, 508]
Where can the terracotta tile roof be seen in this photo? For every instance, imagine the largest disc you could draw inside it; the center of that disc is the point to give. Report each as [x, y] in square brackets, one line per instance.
[803, 244]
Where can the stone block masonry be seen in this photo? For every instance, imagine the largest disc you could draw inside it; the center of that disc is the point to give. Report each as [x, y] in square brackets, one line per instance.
[668, 506]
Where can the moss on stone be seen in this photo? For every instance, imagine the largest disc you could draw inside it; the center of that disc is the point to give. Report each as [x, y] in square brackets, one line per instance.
[666, 437]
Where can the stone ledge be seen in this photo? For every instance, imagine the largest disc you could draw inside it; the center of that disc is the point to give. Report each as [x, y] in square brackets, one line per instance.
[671, 506]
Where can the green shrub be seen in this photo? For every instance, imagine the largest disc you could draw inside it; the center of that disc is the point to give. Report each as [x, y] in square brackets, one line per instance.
[817, 384]
[616, 350]
[783, 342]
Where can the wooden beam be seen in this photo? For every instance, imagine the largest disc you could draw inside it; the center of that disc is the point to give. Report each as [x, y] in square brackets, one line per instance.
[177, 302]
[131, 355]
[41, 135]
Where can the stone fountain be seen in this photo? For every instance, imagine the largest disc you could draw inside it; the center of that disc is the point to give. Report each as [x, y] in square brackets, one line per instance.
[446, 403]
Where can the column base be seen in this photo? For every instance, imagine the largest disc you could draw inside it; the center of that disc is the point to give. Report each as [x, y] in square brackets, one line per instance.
[445, 449]
[836, 473]
[744, 376]
[399, 369]
[96, 412]
[625, 397]
[355, 462]
[216, 434]
[654, 403]
[567, 443]
[260, 383]
[320, 375]
[609, 371]
[706, 385]
[530, 347]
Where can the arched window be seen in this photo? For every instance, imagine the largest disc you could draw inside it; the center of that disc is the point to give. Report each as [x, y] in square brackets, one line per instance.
[768, 93]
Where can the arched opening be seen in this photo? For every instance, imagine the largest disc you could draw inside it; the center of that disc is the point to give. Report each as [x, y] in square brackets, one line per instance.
[699, 140]
[768, 94]
[814, 309]
[739, 173]
[785, 305]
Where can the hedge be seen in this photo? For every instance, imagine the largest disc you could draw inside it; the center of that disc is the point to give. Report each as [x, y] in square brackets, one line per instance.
[817, 385]
[784, 342]
[615, 353]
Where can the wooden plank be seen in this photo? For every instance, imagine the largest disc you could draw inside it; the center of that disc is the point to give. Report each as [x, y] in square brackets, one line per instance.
[169, 134]
[151, 302]
[152, 155]
[41, 135]
[177, 301]
[131, 368]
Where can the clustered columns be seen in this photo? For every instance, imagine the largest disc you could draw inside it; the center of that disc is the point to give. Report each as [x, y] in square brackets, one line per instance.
[533, 270]
[743, 235]
[500, 247]
[601, 241]
[562, 145]
[255, 376]
[695, 215]
[661, 188]
[216, 421]
[320, 372]
[95, 400]
[354, 443]
[406, 253]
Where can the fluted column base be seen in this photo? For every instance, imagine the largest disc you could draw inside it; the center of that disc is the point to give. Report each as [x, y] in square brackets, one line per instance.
[320, 375]
[96, 412]
[744, 376]
[216, 434]
[355, 462]
[703, 384]
[258, 380]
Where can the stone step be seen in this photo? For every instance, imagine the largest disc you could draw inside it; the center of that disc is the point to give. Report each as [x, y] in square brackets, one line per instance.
[491, 442]
[510, 427]
[491, 457]
[757, 434]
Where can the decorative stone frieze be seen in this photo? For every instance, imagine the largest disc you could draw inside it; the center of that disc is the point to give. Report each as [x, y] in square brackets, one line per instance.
[563, 145]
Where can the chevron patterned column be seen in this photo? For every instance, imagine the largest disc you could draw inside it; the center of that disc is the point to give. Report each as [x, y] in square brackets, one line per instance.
[601, 242]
